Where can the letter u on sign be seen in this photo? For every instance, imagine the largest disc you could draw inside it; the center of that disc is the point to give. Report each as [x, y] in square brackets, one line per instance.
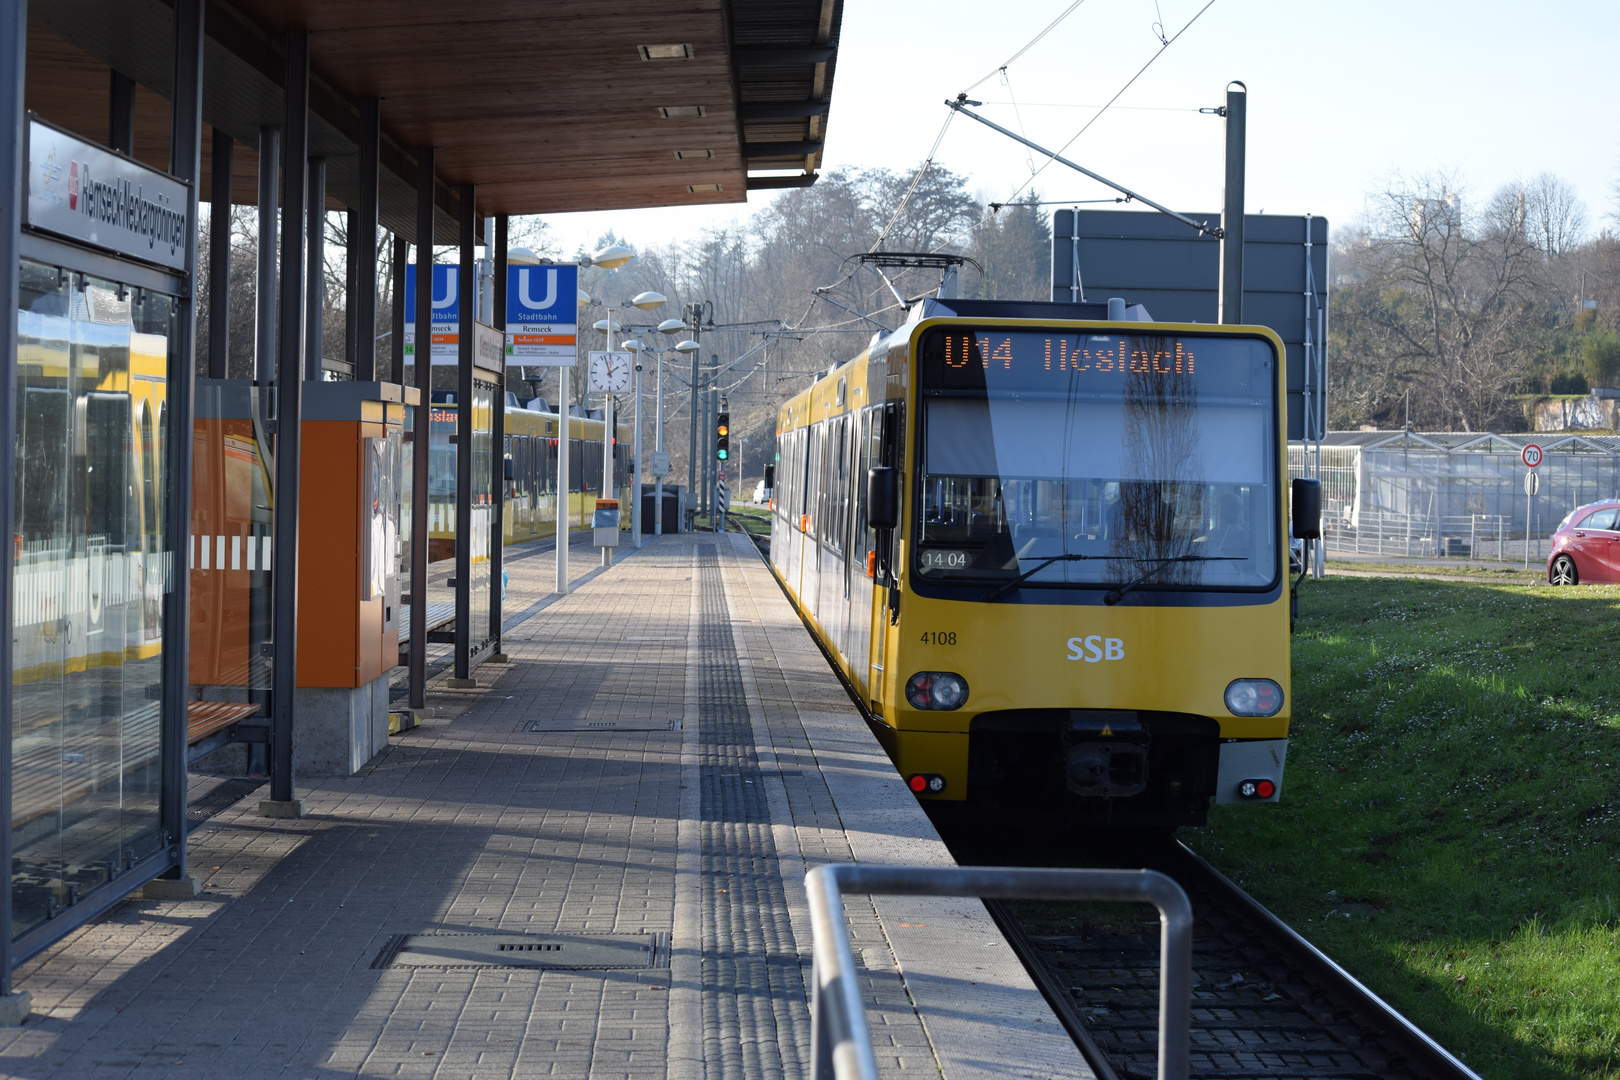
[525, 289]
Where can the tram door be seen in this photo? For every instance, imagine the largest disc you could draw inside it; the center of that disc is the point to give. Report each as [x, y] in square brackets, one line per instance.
[858, 566]
[887, 424]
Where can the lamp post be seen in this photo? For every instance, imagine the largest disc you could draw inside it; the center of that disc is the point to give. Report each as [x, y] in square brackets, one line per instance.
[685, 348]
[635, 346]
[609, 258]
[646, 301]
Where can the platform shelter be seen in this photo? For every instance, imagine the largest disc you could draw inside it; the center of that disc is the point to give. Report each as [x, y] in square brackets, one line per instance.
[161, 585]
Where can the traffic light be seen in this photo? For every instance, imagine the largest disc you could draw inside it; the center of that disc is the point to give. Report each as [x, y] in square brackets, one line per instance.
[722, 436]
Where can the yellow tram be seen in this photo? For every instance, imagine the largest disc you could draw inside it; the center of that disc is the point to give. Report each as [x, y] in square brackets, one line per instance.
[1049, 556]
[530, 472]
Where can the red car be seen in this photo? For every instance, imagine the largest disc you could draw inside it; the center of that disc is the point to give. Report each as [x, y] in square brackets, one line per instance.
[1586, 546]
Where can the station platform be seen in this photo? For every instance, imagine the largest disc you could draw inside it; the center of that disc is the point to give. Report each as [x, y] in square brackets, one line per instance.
[648, 780]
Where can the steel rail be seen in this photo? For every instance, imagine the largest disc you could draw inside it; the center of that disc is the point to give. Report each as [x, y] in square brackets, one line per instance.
[1423, 1053]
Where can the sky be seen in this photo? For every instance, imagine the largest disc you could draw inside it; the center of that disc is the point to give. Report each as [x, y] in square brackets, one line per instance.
[1342, 95]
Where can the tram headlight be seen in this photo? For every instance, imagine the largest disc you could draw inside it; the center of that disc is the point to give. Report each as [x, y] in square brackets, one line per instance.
[1254, 697]
[942, 690]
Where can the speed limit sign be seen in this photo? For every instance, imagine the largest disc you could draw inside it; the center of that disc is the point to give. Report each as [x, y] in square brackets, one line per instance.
[1531, 455]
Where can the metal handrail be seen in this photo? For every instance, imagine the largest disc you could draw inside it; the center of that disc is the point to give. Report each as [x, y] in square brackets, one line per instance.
[841, 1043]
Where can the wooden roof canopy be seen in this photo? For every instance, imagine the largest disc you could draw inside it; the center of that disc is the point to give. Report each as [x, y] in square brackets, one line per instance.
[548, 106]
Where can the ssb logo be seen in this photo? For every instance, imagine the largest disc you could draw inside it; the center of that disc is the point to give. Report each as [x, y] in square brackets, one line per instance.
[1096, 649]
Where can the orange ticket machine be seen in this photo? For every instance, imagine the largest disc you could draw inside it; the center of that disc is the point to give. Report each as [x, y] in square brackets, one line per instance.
[351, 479]
[351, 490]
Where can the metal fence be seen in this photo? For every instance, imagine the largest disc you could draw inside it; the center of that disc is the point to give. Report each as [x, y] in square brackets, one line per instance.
[1453, 495]
[841, 1043]
[1474, 537]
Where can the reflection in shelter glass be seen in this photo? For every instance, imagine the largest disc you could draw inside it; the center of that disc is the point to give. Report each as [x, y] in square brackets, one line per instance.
[92, 565]
[1120, 454]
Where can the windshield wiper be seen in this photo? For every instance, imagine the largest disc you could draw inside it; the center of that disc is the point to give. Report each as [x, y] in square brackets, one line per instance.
[1114, 596]
[1001, 590]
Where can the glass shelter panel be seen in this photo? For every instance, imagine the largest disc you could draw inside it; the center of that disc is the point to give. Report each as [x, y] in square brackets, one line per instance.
[92, 565]
[483, 511]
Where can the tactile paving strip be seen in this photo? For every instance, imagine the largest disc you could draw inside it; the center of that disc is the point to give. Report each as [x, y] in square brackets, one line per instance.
[753, 992]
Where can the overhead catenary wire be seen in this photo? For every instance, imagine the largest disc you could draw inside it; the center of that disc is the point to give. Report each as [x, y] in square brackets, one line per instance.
[1163, 48]
[1064, 14]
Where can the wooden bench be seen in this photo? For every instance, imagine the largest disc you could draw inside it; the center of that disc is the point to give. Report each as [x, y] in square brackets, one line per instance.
[209, 724]
[439, 615]
[40, 786]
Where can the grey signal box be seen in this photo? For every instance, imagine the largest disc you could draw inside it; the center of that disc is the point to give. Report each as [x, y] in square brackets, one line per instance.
[1174, 272]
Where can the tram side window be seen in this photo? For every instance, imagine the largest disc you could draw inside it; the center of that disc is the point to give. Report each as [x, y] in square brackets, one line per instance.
[576, 465]
[592, 459]
[812, 475]
[863, 461]
[107, 449]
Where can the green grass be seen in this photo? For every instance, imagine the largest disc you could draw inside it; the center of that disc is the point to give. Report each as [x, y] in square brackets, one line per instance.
[755, 519]
[1506, 573]
[1450, 823]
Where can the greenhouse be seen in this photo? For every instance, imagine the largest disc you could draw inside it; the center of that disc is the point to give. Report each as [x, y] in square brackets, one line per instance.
[1452, 494]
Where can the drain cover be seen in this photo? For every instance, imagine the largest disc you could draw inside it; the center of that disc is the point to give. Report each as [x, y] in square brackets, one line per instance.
[524, 951]
[629, 724]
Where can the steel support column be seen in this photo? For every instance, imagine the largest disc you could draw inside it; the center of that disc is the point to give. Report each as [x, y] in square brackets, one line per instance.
[264, 336]
[219, 256]
[396, 313]
[351, 261]
[422, 355]
[261, 582]
[185, 162]
[315, 271]
[497, 319]
[289, 402]
[362, 300]
[121, 113]
[466, 291]
[13, 125]
[1231, 281]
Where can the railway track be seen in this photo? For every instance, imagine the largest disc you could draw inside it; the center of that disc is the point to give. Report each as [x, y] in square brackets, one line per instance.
[1265, 1002]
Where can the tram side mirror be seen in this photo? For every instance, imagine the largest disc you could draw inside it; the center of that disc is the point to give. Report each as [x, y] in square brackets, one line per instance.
[883, 497]
[770, 478]
[1307, 509]
[511, 469]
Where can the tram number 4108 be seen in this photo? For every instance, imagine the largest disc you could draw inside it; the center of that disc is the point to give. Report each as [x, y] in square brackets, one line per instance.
[939, 637]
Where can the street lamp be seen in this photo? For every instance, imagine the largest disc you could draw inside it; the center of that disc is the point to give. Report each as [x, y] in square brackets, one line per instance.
[667, 327]
[645, 301]
[611, 257]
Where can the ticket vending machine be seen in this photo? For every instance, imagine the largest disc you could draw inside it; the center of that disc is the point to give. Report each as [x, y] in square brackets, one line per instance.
[349, 547]
[352, 488]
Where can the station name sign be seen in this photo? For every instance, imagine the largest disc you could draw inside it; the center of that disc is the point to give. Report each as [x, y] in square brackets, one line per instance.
[81, 191]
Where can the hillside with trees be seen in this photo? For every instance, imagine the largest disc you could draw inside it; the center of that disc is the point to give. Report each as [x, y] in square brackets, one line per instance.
[1465, 314]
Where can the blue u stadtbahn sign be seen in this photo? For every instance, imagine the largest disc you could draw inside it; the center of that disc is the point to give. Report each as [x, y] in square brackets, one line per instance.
[446, 304]
[541, 295]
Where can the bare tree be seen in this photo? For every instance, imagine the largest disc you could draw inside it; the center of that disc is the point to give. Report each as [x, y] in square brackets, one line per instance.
[1555, 216]
[1445, 298]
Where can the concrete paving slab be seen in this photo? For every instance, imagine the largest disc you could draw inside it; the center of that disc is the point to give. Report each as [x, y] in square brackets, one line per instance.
[476, 823]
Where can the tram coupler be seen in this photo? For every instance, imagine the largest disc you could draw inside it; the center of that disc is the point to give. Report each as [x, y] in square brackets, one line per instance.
[1105, 754]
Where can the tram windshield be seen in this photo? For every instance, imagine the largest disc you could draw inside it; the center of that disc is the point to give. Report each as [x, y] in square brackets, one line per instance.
[1064, 458]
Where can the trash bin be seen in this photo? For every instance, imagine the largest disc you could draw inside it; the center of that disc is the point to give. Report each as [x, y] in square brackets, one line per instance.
[605, 524]
[672, 508]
